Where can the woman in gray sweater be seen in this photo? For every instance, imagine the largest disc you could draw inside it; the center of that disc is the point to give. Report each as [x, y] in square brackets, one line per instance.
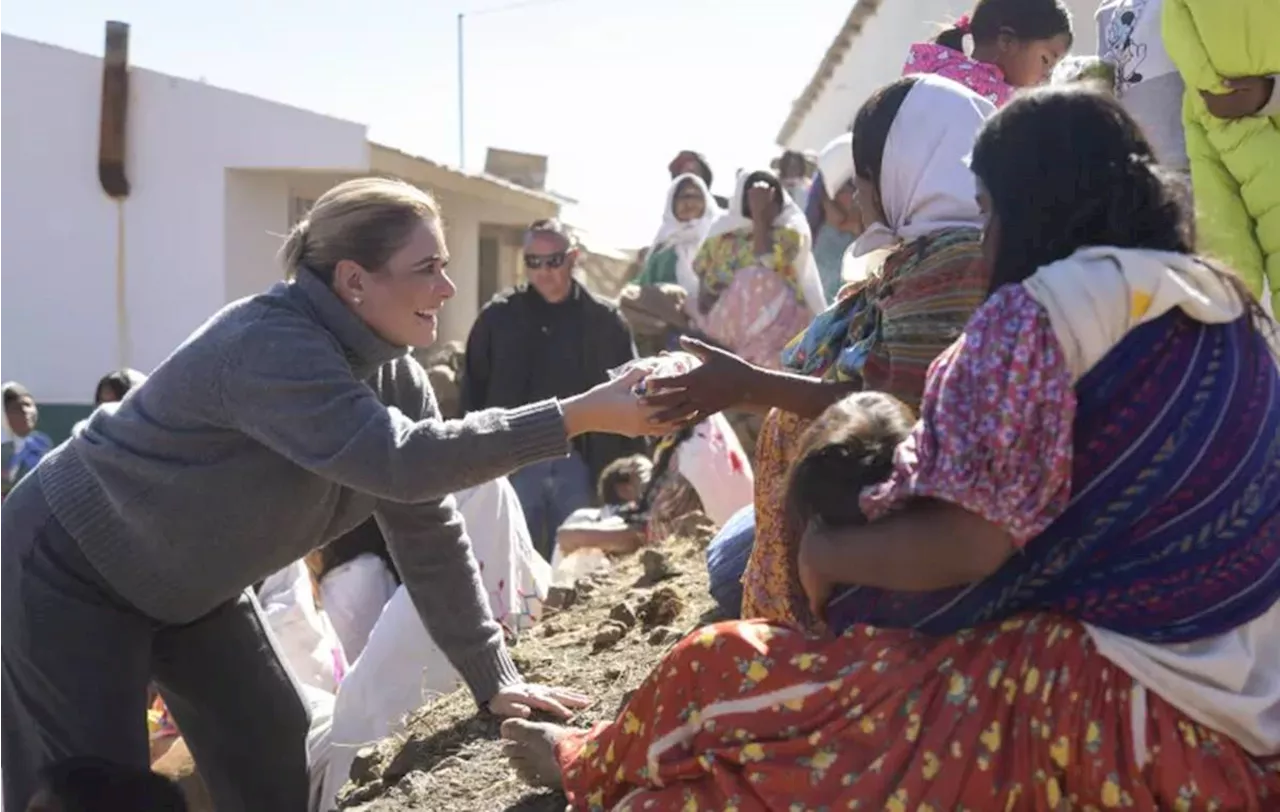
[284, 421]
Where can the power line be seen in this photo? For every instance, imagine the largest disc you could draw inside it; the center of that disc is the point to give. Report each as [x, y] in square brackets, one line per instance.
[511, 7]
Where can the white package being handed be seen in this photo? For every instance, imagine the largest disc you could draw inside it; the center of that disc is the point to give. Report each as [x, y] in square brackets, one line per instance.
[667, 365]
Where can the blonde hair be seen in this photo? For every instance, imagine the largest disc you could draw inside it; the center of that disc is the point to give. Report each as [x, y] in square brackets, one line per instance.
[365, 220]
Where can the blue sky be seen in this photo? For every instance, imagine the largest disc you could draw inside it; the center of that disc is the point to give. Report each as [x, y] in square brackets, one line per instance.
[609, 89]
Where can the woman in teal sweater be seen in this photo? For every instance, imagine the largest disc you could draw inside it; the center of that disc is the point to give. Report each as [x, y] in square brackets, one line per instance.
[689, 213]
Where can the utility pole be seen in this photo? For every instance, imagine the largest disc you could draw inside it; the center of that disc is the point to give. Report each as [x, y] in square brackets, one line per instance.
[462, 105]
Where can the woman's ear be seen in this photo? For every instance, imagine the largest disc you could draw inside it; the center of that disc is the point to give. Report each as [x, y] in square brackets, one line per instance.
[348, 281]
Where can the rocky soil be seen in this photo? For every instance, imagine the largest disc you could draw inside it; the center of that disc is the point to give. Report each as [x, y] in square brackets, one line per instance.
[603, 638]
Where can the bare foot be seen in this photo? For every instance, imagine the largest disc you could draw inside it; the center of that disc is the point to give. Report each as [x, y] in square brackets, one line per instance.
[531, 749]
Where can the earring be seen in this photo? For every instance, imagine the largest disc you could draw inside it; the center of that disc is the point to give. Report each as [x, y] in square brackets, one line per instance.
[356, 301]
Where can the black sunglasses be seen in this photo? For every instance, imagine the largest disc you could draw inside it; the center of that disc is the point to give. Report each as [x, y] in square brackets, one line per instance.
[534, 261]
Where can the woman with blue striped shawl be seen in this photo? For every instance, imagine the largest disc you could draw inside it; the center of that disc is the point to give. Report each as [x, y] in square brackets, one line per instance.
[1068, 590]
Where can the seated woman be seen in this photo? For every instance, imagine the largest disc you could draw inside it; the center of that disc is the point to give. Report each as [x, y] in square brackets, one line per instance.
[910, 144]
[1085, 522]
[757, 282]
[689, 214]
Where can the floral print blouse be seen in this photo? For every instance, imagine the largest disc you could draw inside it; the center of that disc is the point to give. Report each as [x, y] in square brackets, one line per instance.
[995, 429]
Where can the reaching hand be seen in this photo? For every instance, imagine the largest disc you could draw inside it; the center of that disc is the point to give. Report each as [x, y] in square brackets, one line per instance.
[523, 699]
[1245, 97]
[614, 408]
[720, 382]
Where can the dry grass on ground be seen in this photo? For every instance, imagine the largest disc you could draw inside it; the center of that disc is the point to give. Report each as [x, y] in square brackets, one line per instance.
[617, 627]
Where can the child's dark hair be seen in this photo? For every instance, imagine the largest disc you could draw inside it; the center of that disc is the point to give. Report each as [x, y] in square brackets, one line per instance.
[118, 382]
[661, 464]
[1096, 182]
[1022, 19]
[616, 474]
[849, 447]
[90, 784]
[872, 124]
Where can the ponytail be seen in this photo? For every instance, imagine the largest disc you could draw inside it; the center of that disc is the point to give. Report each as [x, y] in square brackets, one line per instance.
[294, 250]
[953, 37]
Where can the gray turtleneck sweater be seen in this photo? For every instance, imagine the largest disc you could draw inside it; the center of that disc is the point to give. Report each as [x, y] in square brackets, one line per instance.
[281, 424]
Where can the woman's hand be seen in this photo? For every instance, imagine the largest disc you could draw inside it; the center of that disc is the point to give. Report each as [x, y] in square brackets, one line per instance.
[523, 699]
[1245, 97]
[814, 569]
[613, 408]
[721, 381]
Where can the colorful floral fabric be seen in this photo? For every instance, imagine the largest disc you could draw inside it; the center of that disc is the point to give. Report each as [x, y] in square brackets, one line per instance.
[884, 333]
[756, 316]
[1145, 501]
[722, 256]
[1018, 715]
[983, 78]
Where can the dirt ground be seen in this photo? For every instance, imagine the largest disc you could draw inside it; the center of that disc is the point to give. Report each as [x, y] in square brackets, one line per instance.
[616, 626]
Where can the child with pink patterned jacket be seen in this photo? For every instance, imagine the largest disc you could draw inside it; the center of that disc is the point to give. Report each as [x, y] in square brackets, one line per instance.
[1016, 44]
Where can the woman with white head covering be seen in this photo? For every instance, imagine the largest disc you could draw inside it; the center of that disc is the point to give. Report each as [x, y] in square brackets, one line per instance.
[21, 445]
[834, 216]
[758, 284]
[910, 147]
[688, 215]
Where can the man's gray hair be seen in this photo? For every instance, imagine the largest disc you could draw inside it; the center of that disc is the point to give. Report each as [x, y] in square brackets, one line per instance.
[551, 226]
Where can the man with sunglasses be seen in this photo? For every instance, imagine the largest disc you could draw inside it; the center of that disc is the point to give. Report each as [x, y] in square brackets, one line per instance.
[550, 337]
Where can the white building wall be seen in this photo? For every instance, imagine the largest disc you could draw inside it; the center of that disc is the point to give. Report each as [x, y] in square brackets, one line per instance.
[63, 241]
[878, 52]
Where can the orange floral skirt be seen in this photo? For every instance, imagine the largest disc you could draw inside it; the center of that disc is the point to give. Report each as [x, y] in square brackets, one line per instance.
[771, 584]
[1019, 715]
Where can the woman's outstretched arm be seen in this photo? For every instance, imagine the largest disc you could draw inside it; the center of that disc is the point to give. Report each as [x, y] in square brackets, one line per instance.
[287, 385]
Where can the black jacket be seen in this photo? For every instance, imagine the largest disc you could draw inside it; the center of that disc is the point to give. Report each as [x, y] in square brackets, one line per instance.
[502, 354]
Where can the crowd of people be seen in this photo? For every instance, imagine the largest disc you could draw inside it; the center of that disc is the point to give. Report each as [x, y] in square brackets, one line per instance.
[1004, 533]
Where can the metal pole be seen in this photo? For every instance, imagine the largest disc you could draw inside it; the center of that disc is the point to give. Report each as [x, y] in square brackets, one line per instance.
[462, 108]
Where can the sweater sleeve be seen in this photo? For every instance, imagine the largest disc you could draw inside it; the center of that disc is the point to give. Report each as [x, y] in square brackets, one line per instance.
[291, 389]
[429, 544]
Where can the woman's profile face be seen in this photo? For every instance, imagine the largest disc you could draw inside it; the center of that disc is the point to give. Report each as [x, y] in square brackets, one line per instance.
[401, 302]
[106, 394]
[689, 203]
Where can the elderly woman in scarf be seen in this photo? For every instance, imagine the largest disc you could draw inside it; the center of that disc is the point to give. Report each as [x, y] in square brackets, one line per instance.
[758, 285]
[909, 145]
[689, 214]
[834, 217]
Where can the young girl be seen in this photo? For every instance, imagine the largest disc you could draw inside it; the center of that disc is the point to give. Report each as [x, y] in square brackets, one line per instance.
[1016, 44]
[848, 448]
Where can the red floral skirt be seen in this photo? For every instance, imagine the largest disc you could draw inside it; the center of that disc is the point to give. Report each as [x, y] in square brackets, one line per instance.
[1020, 715]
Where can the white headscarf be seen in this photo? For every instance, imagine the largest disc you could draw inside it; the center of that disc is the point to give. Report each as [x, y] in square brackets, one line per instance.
[686, 237]
[7, 434]
[791, 217]
[925, 181]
